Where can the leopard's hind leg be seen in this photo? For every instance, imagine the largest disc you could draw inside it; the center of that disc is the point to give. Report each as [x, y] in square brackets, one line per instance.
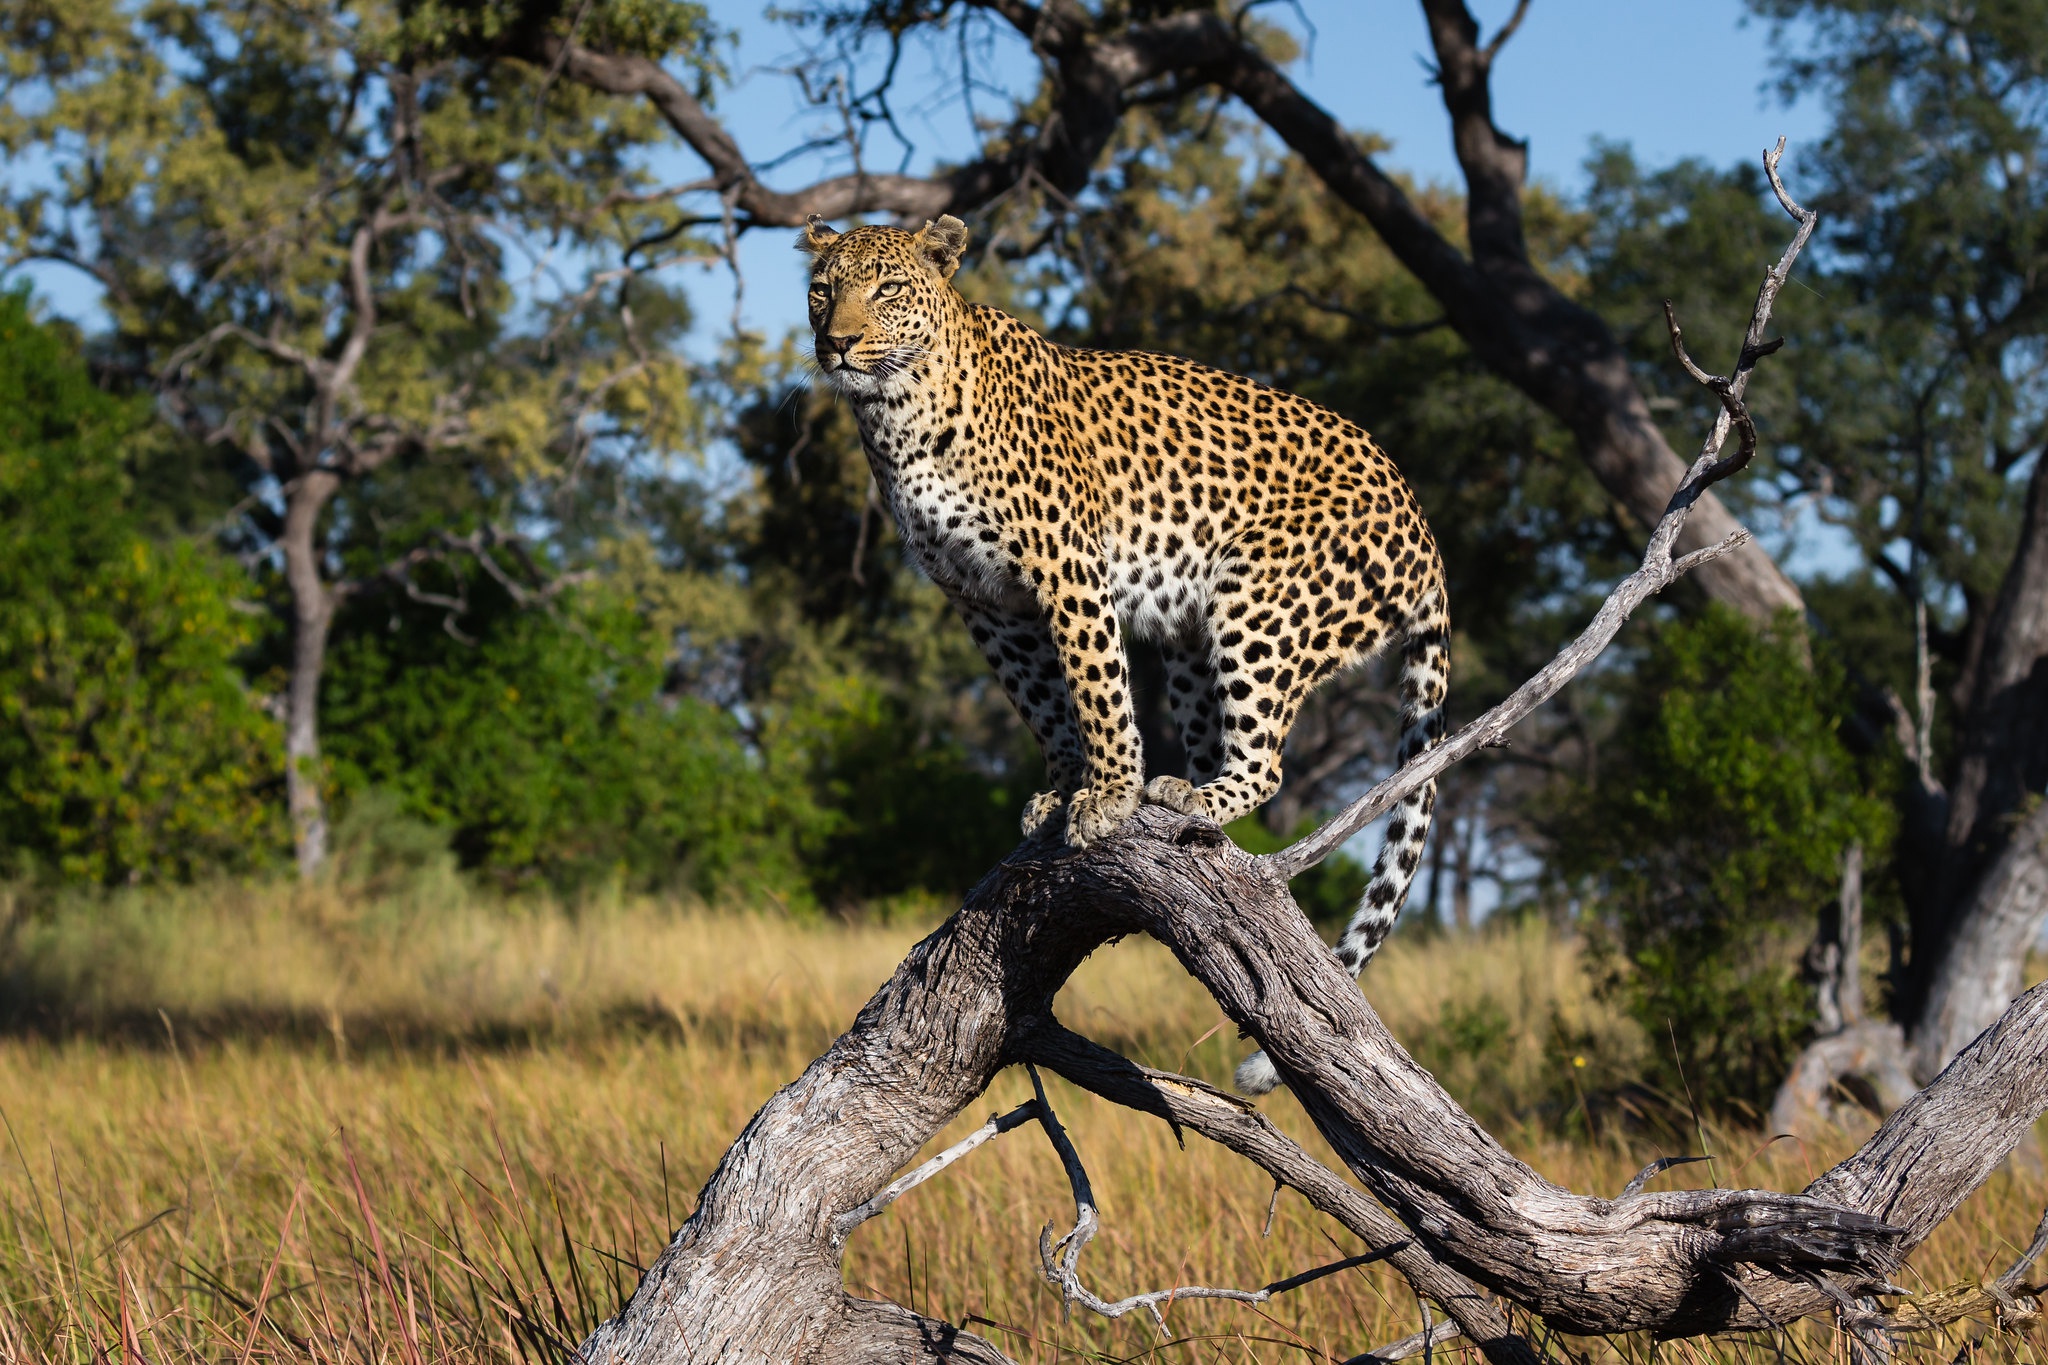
[1425, 684]
[1261, 670]
[1198, 717]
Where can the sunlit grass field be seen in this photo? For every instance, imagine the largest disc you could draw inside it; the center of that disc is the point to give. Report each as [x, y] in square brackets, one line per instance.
[260, 1123]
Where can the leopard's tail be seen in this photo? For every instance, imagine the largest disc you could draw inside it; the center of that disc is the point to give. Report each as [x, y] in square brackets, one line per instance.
[1425, 681]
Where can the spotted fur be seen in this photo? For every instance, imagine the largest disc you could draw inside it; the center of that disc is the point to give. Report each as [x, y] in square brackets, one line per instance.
[1062, 497]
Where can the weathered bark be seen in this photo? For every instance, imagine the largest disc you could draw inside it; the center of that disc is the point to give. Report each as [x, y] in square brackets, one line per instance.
[1520, 325]
[1981, 971]
[1849, 1044]
[1972, 918]
[754, 1273]
[2002, 749]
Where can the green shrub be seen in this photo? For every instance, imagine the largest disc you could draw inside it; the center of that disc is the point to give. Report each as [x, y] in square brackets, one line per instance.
[546, 746]
[901, 809]
[130, 748]
[1712, 838]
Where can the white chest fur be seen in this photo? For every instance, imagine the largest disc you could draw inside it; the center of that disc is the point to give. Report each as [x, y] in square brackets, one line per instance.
[948, 529]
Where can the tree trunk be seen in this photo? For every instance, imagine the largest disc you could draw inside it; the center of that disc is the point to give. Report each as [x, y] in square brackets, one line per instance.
[1973, 857]
[1981, 971]
[1963, 915]
[312, 616]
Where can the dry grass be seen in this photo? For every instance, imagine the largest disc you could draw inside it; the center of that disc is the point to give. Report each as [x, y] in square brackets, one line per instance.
[531, 1099]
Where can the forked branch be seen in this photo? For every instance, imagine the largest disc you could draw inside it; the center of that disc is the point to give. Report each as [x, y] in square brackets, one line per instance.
[1060, 1261]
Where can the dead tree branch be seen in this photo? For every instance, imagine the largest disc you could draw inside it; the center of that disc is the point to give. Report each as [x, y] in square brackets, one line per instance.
[1060, 1261]
[1659, 569]
[755, 1272]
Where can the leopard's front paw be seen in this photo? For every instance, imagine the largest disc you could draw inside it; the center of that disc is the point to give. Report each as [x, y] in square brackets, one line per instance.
[1177, 793]
[1093, 815]
[1040, 809]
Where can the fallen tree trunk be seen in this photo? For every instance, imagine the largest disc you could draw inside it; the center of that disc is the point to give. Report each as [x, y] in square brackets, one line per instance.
[754, 1275]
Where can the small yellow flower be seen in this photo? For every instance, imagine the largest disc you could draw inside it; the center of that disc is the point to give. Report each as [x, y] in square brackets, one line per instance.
[1578, 1061]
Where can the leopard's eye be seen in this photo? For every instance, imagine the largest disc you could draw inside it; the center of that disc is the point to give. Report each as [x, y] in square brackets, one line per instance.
[889, 289]
[819, 293]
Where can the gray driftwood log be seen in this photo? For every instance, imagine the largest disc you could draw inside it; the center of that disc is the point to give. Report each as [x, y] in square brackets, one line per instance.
[755, 1274]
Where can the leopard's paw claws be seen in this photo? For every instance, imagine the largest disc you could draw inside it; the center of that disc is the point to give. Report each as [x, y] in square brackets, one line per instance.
[1094, 815]
[1176, 794]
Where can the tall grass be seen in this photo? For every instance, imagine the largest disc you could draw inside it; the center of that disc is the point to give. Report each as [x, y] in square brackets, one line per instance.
[255, 1123]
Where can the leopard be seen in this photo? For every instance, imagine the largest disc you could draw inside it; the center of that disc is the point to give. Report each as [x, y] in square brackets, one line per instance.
[1067, 499]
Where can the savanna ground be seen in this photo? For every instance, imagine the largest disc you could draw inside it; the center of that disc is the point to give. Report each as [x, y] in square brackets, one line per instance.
[414, 1125]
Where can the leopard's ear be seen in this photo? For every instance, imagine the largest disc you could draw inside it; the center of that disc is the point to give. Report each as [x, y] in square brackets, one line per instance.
[941, 244]
[816, 236]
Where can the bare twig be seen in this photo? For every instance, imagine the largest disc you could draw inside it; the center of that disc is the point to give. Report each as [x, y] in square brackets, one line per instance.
[1233, 1123]
[1507, 31]
[1655, 1169]
[2010, 1280]
[1060, 1260]
[896, 1189]
[1427, 1340]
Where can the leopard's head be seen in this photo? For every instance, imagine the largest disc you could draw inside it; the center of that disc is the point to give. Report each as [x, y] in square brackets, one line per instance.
[880, 298]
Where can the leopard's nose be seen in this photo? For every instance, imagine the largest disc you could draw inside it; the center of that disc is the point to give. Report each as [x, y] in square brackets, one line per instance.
[839, 343]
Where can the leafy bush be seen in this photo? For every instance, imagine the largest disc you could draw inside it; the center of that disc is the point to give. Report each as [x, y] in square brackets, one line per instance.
[902, 809]
[1713, 835]
[547, 746]
[129, 747]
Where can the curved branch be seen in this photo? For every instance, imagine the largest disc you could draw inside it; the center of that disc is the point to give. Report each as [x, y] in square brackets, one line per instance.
[1231, 1122]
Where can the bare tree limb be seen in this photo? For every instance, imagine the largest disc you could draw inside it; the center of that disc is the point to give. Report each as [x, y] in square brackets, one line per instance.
[896, 1189]
[1232, 1122]
[1060, 1261]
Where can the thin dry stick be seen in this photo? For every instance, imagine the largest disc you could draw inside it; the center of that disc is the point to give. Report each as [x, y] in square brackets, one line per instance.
[1415, 1345]
[896, 1189]
[1659, 570]
[1060, 1261]
[1237, 1126]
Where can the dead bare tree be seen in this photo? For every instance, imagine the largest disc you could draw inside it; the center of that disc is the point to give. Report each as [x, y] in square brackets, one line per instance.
[755, 1272]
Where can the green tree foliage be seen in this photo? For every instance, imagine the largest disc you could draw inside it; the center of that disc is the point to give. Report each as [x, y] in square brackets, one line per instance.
[1712, 837]
[130, 747]
[548, 745]
[350, 241]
